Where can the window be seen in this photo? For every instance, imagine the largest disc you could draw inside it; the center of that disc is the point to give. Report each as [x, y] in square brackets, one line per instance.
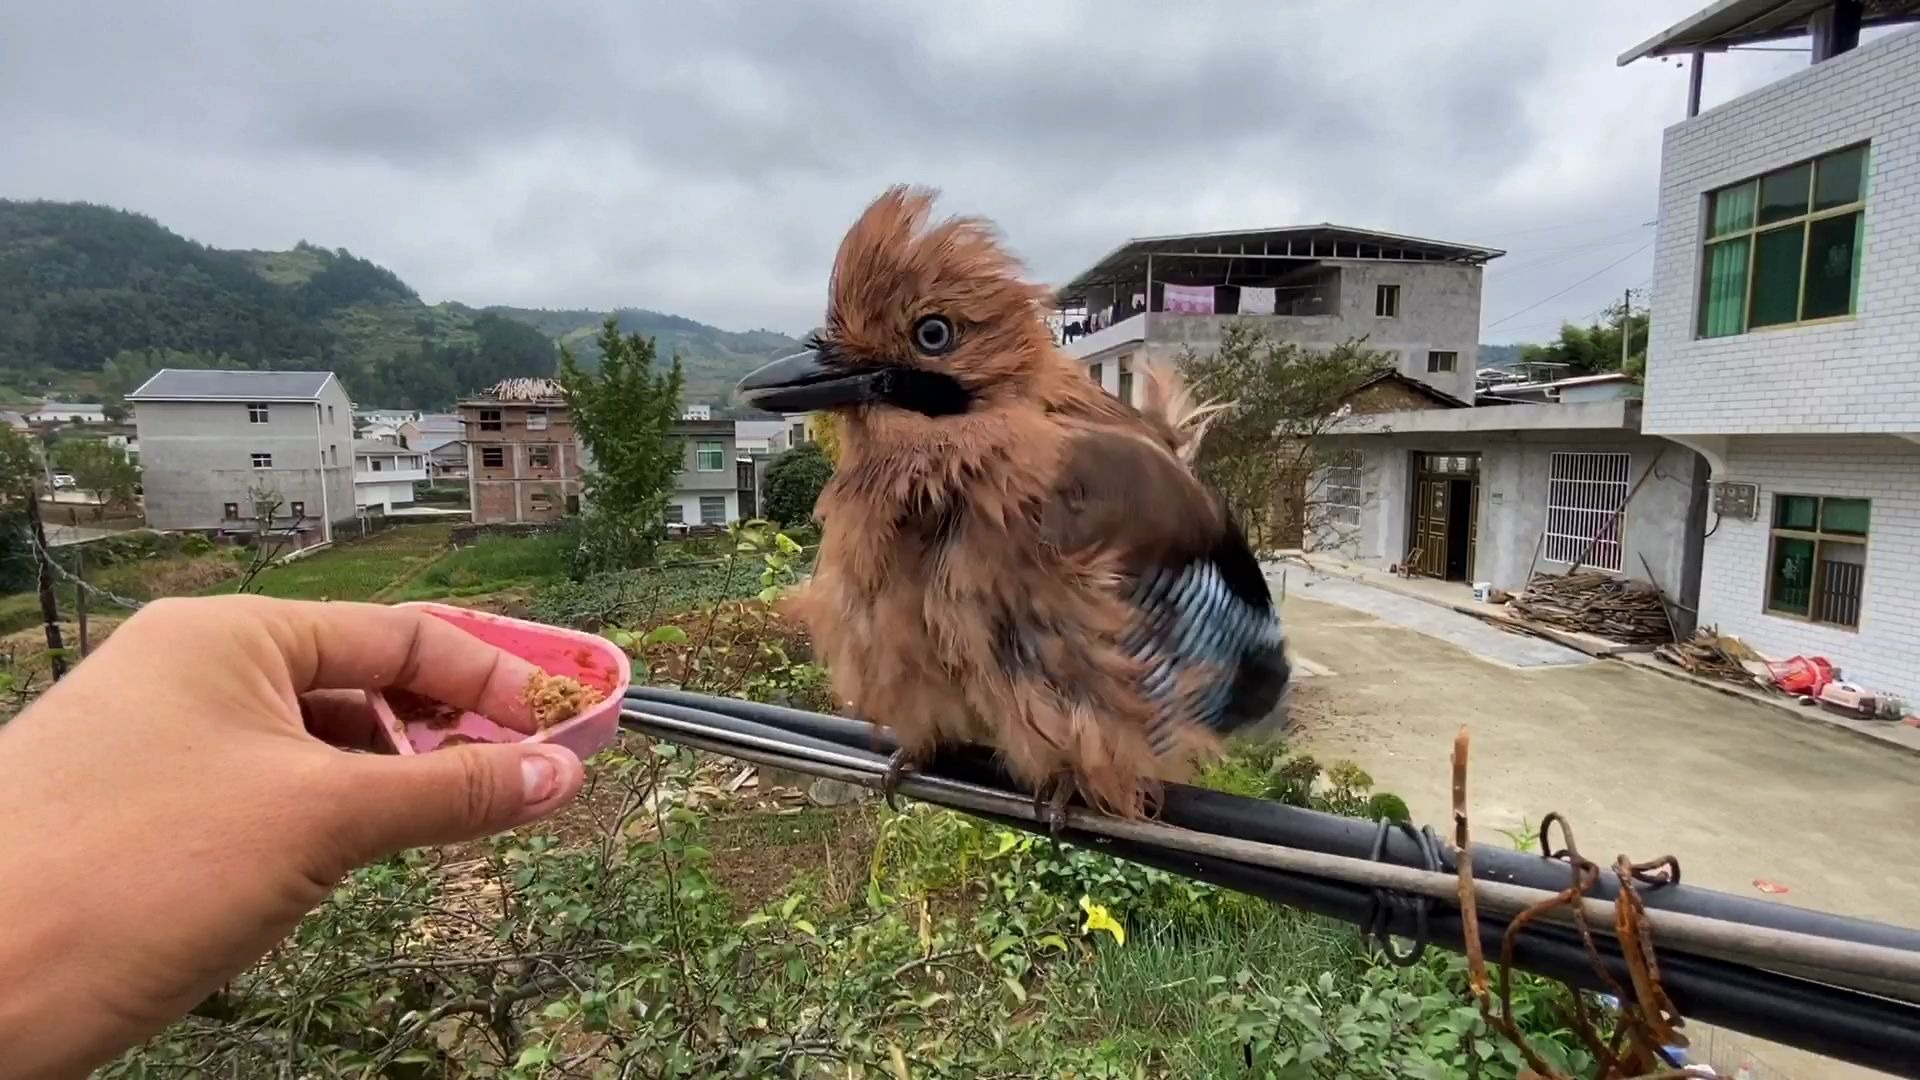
[1126, 382]
[1442, 361]
[489, 419]
[536, 419]
[329, 414]
[230, 511]
[1342, 479]
[413, 463]
[1095, 372]
[263, 461]
[493, 457]
[540, 457]
[333, 454]
[1785, 247]
[709, 456]
[1386, 301]
[676, 514]
[1819, 558]
[1585, 494]
[713, 509]
[376, 464]
[257, 413]
[297, 509]
[573, 504]
[797, 435]
[539, 502]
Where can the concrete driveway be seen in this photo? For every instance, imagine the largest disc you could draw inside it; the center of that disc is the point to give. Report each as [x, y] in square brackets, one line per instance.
[1641, 763]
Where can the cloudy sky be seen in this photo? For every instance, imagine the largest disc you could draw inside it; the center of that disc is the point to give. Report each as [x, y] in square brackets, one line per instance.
[703, 158]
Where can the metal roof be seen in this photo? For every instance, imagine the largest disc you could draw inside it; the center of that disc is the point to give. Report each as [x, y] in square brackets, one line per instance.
[1190, 252]
[1730, 23]
[176, 384]
[379, 446]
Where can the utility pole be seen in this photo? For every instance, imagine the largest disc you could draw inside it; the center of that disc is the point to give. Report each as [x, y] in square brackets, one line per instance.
[49, 607]
[80, 595]
[1626, 325]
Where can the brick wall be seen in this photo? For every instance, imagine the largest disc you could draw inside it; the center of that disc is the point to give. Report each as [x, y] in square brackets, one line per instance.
[1857, 375]
[1390, 397]
[1884, 653]
[506, 492]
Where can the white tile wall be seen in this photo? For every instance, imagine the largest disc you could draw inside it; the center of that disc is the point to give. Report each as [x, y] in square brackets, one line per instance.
[1862, 375]
[1884, 653]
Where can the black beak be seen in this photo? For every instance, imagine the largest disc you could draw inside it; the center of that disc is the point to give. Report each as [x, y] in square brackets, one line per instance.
[807, 381]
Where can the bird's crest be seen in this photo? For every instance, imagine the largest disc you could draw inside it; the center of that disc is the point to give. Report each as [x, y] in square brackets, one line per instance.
[1166, 397]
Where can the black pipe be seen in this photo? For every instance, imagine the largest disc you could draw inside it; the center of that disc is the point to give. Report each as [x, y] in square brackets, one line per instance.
[1850, 1025]
[1269, 822]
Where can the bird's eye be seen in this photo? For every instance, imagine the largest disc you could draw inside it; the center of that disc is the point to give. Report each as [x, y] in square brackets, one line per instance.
[933, 335]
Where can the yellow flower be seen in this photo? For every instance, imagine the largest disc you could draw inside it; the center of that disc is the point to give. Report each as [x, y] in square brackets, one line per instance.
[1099, 919]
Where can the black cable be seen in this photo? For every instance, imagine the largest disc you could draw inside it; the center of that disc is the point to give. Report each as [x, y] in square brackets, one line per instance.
[1865, 1029]
[1377, 925]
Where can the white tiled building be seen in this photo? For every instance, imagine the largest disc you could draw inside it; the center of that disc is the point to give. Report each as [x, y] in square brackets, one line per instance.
[1786, 340]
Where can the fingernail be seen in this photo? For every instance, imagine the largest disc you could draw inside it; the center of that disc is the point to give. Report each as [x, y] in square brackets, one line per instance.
[538, 778]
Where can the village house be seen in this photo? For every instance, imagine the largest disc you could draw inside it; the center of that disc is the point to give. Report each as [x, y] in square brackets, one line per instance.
[1785, 341]
[69, 412]
[708, 488]
[1152, 299]
[220, 449]
[384, 473]
[430, 431]
[523, 461]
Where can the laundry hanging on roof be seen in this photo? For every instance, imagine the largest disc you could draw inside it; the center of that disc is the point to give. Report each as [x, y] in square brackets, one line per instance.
[1256, 301]
[1189, 299]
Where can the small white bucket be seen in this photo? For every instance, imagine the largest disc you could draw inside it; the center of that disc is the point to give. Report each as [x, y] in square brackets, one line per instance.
[1482, 590]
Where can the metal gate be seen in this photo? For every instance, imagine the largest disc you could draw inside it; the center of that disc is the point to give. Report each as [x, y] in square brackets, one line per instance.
[1433, 509]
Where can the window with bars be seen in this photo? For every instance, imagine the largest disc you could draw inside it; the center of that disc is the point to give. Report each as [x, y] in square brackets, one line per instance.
[713, 509]
[676, 514]
[493, 457]
[1585, 493]
[1817, 567]
[1785, 247]
[1342, 479]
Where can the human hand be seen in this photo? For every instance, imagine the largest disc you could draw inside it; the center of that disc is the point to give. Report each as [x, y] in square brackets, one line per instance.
[171, 809]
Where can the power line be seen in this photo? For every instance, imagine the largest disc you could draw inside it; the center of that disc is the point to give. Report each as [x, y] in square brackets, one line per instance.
[1555, 296]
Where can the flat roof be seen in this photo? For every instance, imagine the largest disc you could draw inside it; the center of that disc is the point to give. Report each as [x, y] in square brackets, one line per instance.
[1617, 415]
[1190, 252]
[1729, 23]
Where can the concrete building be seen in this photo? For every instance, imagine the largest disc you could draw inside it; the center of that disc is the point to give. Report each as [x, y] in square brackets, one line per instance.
[1496, 493]
[384, 474]
[448, 461]
[696, 412]
[523, 460]
[69, 412]
[218, 446]
[1151, 299]
[1786, 343]
[430, 431]
[707, 491]
[760, 438]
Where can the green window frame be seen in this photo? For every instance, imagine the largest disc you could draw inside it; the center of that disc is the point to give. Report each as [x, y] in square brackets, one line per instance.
[1817, 558]
[1783, 248]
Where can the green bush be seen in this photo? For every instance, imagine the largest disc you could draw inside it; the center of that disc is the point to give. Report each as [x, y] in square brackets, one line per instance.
[794, 482]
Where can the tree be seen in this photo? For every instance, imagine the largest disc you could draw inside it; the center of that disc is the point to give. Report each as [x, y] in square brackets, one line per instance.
[826, 432]
[1259, 453]
[105, 471]
[624, 413]
[18, 566]
[1595, 348]
[794, 480]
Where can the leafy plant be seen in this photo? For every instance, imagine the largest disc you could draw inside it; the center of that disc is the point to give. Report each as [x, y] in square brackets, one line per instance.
[794, 482]
[624, 412]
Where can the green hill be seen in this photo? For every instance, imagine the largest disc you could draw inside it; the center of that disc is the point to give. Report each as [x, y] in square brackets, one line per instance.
[92, 299]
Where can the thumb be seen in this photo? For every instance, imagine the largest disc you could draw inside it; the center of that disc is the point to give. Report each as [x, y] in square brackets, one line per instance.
[459, 793]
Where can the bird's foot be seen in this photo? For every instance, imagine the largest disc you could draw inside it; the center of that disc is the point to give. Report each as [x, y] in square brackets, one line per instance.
[1050, 803]
[899, 766]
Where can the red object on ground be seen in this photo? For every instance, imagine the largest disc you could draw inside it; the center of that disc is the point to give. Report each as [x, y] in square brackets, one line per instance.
[1806, 675]
[1766, 886]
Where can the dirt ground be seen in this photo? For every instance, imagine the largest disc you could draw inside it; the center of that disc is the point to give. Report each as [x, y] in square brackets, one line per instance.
[1640, 763]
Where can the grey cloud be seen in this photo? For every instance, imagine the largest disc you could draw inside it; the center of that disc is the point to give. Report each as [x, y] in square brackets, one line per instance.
[704, 158]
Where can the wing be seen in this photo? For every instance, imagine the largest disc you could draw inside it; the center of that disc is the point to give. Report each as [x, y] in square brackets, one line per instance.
[1203, 622]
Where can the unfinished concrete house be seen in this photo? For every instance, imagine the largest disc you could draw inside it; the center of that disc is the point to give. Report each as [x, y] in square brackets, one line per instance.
[1151, 299]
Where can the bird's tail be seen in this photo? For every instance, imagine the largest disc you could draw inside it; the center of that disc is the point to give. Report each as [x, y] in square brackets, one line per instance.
[1166, 397]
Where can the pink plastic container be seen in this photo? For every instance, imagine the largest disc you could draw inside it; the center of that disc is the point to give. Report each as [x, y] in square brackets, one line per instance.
[594, 661]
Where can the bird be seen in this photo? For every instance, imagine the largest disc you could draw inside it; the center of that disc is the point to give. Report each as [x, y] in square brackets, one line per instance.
[1010, 556]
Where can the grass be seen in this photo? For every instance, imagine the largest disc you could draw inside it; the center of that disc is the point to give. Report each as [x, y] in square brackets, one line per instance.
[493, 564]
[145, 579]
[352, 569]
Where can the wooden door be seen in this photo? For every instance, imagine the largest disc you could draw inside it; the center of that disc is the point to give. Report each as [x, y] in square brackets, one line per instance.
[1433, 499]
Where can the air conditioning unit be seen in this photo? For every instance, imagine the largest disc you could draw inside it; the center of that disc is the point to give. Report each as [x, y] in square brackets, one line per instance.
[1733, 499]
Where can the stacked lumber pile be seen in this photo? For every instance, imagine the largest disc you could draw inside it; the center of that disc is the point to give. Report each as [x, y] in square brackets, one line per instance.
[1597, 603]
[1711, 654]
